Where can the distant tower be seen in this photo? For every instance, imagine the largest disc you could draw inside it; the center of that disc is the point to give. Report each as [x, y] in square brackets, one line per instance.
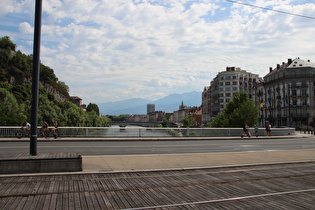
[150, 108]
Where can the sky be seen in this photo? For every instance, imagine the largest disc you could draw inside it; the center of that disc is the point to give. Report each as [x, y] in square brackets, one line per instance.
[112, 50]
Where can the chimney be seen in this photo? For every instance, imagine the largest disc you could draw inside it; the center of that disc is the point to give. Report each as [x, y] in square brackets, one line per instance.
[270, 69]
[289, 61]
[278, 66]
[308, 60]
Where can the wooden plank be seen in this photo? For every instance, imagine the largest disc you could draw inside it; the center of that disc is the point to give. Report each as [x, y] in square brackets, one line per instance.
[77, 202]
[83, 200]
[21, 202]
[107, 201]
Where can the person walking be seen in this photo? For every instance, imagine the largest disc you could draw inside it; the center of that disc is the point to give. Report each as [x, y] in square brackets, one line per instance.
[256, 130]
[268, 129]
[245, 130]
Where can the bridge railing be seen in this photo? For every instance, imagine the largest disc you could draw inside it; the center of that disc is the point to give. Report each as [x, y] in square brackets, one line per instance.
[116, 132]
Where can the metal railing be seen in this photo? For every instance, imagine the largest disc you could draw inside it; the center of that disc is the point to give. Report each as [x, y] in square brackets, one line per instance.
[117, 132]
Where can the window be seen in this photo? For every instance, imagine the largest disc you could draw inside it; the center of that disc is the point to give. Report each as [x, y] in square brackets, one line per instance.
[228, 94]
[227, 83]
[234, 83]
[294, 92]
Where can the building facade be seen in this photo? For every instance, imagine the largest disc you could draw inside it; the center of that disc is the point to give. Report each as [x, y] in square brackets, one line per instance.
[150, 108]
[222, 88]
[287, 96]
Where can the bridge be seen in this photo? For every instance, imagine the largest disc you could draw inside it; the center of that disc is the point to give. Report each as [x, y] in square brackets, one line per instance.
[142, 124]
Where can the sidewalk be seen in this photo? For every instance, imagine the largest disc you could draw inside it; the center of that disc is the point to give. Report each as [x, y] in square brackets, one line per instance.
[112, 163]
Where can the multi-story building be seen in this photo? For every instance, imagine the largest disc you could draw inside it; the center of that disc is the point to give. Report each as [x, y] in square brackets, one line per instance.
[222, 88]
[150, 108]
[287, 98]
[205, 105]
[179, 115]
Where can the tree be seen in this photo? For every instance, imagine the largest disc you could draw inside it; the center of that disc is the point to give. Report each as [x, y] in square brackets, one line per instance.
[93, 107]
[188, 121]
[238, 110]
[9, 109]
[165, 122]
[6, 43]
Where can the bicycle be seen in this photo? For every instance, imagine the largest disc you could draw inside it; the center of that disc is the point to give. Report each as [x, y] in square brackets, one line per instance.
[22, 133]
[50, 133]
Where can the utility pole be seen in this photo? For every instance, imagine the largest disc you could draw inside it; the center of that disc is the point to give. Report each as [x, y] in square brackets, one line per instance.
[35, 77]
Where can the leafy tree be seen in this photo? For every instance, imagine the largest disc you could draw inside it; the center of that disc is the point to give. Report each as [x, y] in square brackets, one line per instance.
[74, 115]
[165, 122]
[6, 43]
[6, 46]
[9, 109]
[93, 107]
[188, 121]
[238, 110]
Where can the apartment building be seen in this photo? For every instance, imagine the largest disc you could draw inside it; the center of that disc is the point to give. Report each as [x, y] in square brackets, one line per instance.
[222, 88]
[286, 97]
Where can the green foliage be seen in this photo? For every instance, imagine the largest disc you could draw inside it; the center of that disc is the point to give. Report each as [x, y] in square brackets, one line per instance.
[6, 43]
[165, 122]
[188, 121]
[11, 113]
[19, 66]
[93, 107]
[238, 110]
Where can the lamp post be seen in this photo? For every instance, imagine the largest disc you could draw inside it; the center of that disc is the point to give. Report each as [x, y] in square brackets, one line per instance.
[289, 87]
[35, 78]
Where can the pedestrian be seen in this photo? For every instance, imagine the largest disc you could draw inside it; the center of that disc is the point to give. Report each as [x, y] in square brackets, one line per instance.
[245, 130]
[256, 130]
[268, 129]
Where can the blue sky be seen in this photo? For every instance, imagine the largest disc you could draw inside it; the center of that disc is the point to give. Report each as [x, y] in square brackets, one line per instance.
[107, 50]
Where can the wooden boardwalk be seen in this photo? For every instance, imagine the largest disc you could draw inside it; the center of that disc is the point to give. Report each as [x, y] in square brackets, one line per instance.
[275, 186]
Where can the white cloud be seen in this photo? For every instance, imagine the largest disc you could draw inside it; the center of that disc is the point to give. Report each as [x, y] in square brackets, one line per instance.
[114, 50]
[25, 28]
[6, 6]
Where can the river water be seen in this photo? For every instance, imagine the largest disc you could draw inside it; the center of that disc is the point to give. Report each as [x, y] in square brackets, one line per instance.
[135, 131]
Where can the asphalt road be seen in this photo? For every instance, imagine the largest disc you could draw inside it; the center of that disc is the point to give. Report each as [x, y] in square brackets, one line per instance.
[159, 147]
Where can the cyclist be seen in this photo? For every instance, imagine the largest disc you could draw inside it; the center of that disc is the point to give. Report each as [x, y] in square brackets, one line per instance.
[26, 128]
[55, 129]
[42, 129]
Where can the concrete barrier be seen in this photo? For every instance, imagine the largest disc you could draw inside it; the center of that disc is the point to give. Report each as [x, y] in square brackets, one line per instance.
[42, 163]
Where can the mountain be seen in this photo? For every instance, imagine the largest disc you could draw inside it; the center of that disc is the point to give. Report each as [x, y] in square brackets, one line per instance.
[169, 103]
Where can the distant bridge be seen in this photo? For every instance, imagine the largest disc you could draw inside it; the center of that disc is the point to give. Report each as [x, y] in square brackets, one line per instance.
[143, 124]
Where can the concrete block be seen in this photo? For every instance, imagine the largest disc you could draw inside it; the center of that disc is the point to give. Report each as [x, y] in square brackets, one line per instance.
[42, 163]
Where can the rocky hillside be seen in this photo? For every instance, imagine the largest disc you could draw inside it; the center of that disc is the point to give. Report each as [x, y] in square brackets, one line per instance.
[16, 69]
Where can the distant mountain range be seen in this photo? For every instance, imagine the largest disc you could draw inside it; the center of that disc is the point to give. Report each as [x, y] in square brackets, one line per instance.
[169, 103]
